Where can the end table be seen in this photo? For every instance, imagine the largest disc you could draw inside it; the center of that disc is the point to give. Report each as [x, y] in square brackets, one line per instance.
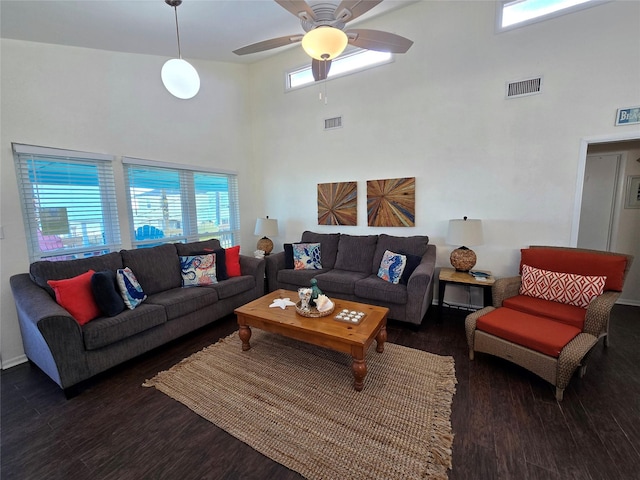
[450, 275]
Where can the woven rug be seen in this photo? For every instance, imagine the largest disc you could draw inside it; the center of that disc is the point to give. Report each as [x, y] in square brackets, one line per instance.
[295, 403]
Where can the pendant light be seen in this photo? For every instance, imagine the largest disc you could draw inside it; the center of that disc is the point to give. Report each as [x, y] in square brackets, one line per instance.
[178, 75]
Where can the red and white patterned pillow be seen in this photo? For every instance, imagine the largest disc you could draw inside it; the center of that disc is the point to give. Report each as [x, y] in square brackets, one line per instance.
[567, 288]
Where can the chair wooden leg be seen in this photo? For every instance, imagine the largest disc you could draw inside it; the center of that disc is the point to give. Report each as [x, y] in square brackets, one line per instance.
[606, 340]
[582, 370]
[559, 394]
[471, 354]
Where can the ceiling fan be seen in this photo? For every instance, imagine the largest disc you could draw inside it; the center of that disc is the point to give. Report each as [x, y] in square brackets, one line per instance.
[326, 37]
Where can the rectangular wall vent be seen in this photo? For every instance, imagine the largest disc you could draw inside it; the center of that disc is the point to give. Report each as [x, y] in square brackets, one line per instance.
[522, 88]
[331, 123]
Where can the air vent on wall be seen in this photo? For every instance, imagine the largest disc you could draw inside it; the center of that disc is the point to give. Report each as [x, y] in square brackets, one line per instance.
[522, 88]
[331, 123]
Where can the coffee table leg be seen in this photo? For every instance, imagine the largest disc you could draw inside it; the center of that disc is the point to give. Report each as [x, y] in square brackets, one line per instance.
[380, 339]
[245, 335]
[359, 368]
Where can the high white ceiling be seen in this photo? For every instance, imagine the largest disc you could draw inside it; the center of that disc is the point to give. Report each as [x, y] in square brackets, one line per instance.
[209, 29]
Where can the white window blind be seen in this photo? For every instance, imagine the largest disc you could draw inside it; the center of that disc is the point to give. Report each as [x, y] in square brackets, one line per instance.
[68, 202]
[180, 204]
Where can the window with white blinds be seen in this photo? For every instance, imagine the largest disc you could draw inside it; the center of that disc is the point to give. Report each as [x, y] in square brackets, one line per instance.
[176, 203]
[68, 202]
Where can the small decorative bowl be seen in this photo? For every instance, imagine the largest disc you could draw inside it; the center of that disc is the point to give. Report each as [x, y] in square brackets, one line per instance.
[313, 311]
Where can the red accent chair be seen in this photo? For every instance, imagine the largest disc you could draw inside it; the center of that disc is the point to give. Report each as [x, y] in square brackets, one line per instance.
[548, 319]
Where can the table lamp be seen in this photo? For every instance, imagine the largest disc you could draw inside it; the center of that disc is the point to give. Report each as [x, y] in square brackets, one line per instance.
[266, 227]
[464, 232]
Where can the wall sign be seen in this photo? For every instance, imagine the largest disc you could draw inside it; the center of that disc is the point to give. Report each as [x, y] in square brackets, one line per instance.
[627, 116]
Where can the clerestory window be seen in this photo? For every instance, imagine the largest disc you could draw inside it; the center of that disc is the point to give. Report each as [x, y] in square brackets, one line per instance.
[516, 13]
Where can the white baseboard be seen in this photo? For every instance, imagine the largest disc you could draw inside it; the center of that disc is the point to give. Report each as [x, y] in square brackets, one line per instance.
[14, 361]
[633, 303]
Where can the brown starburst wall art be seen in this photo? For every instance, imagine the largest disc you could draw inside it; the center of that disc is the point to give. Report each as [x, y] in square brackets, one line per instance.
[391, 202]
[337, 203]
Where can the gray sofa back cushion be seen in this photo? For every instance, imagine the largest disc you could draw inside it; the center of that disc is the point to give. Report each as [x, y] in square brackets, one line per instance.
[185, 249]
[415, 245]
[45, 270]
[156, 269]
[355, 252]
[328, 246]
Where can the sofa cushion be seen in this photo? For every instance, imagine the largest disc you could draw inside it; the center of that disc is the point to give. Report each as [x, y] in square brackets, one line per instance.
[339, 281]
[392, 266]
[198, 270]
[569, 314]
[156, 268]
[43, 271]
[107, 330]
[75, 295]
[130, 288]
[328, 245]
[541, 334]
[376, 289]
[182, 301]
[302, 278]
[106, 293]
[234, 286]
[415, 245]
[355, 253]
[307, 256]
[582, 263]
[569, 288]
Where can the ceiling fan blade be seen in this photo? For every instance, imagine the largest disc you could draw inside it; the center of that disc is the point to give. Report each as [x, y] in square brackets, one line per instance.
[320, 69]
[268, 44]
[299, 8]
[350, 9]
[379, 41]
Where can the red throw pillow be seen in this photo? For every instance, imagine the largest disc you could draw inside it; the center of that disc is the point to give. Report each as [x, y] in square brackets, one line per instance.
[75, 295]
[232, 256]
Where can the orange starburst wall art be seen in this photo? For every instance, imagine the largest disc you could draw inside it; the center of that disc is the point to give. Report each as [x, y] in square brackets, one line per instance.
[337, 203]
[391, 202]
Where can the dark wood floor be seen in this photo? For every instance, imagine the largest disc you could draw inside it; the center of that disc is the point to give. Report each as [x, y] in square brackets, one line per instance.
[506, 422]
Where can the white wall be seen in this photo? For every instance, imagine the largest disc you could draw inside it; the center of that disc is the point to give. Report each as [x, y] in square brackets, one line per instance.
[438, 113]
[115, 103]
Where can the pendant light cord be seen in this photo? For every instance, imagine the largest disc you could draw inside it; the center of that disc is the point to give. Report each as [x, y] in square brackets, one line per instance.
[175, 8]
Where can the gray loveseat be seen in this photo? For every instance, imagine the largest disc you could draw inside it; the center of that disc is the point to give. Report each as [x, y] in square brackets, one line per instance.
[69, 352]
[349, 271]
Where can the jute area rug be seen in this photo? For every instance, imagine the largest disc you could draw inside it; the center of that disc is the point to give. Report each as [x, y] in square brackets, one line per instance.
[295, 403]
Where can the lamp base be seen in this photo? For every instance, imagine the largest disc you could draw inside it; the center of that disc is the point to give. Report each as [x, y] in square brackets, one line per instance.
[463, 259]
[265, 244]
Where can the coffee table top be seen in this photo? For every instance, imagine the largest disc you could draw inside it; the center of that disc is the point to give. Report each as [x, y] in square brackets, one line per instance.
[259, 314]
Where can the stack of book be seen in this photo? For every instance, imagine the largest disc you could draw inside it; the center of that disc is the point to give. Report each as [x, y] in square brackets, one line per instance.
[480, 276]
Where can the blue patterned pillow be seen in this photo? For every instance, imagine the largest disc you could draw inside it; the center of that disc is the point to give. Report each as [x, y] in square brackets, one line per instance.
[392, 266]
[130, 289]
[198, 270]
[306, 256]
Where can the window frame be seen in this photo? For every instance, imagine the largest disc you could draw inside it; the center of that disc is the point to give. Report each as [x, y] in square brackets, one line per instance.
[501, 4]
[28, 193]
[188, 203]
[332, 75]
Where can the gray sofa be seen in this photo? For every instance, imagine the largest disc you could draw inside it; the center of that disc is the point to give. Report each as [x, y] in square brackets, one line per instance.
[70, 353]
[349, 271]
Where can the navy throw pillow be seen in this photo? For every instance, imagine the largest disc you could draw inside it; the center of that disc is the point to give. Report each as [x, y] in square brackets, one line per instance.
[412, 263]
[106, 293]
[288, 256]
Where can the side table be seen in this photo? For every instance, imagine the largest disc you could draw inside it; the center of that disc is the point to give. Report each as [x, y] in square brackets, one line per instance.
[450, 275]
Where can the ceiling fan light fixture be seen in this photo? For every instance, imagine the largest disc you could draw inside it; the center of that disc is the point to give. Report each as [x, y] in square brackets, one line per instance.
[179, 77]
[324, 43]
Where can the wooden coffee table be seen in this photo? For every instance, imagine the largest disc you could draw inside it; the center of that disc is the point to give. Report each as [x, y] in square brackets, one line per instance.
[325, 332]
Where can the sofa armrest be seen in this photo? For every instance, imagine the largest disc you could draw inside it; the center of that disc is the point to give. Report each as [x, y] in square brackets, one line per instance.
[255, 267]
[274, 263]
[52, 338]
[596, 321]
[420, 287]
[504, 288]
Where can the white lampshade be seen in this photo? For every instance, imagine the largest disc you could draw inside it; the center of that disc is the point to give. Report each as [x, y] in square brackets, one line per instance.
[465, 232]
[180, 78]
[266, 227]
[324, 43]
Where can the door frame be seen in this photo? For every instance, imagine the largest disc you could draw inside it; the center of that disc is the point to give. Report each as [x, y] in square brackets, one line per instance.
[582, 162]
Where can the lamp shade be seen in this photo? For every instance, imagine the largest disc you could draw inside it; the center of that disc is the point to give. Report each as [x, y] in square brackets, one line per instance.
[266, 227]
[465, 232]
[180, 78]
[324, 43]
